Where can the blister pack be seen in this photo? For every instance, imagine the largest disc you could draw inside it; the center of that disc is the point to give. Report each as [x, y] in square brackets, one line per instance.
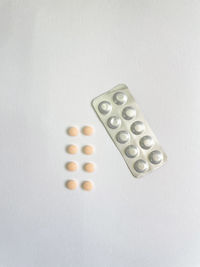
[130, 132]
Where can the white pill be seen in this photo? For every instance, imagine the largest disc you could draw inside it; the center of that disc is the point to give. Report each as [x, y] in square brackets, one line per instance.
[140, 165]
[105, 107]
[123, 137]
[120, 98]
[146, 142]
[128, 113]
[114, 122]
[155, 157]
[131, 151]
[137, 127]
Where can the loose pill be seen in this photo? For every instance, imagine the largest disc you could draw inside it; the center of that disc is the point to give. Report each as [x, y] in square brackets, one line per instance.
[114, 122]
[155, 157]
[88, 149]
[72, 149]
[72, 131]
[120, 98]
[89, 167]
[71, 166]
[105, 107]
[87, 130]
[87, 185]
[71, 184]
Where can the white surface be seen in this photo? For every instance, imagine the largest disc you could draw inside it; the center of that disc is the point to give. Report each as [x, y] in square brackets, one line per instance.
[55, 56]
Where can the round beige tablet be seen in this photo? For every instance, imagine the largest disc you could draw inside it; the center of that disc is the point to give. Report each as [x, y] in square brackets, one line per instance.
[72, 149]
[87, 185]
[89, 167]
[72, 131]
[71, 166]
[88, 150]
[88, 130]
[71, 184]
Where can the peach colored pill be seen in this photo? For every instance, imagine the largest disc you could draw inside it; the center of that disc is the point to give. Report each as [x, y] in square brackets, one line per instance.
[72, 166]
[87, 130]
[72, 131]
[88, 150]
[89, 167]
[72, 149]
[71, 184]
[87, 185]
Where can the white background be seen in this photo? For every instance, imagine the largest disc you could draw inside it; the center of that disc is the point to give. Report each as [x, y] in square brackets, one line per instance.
[55, 57]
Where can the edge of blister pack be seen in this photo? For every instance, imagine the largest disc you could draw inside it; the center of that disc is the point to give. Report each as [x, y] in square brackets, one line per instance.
[144, 156]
